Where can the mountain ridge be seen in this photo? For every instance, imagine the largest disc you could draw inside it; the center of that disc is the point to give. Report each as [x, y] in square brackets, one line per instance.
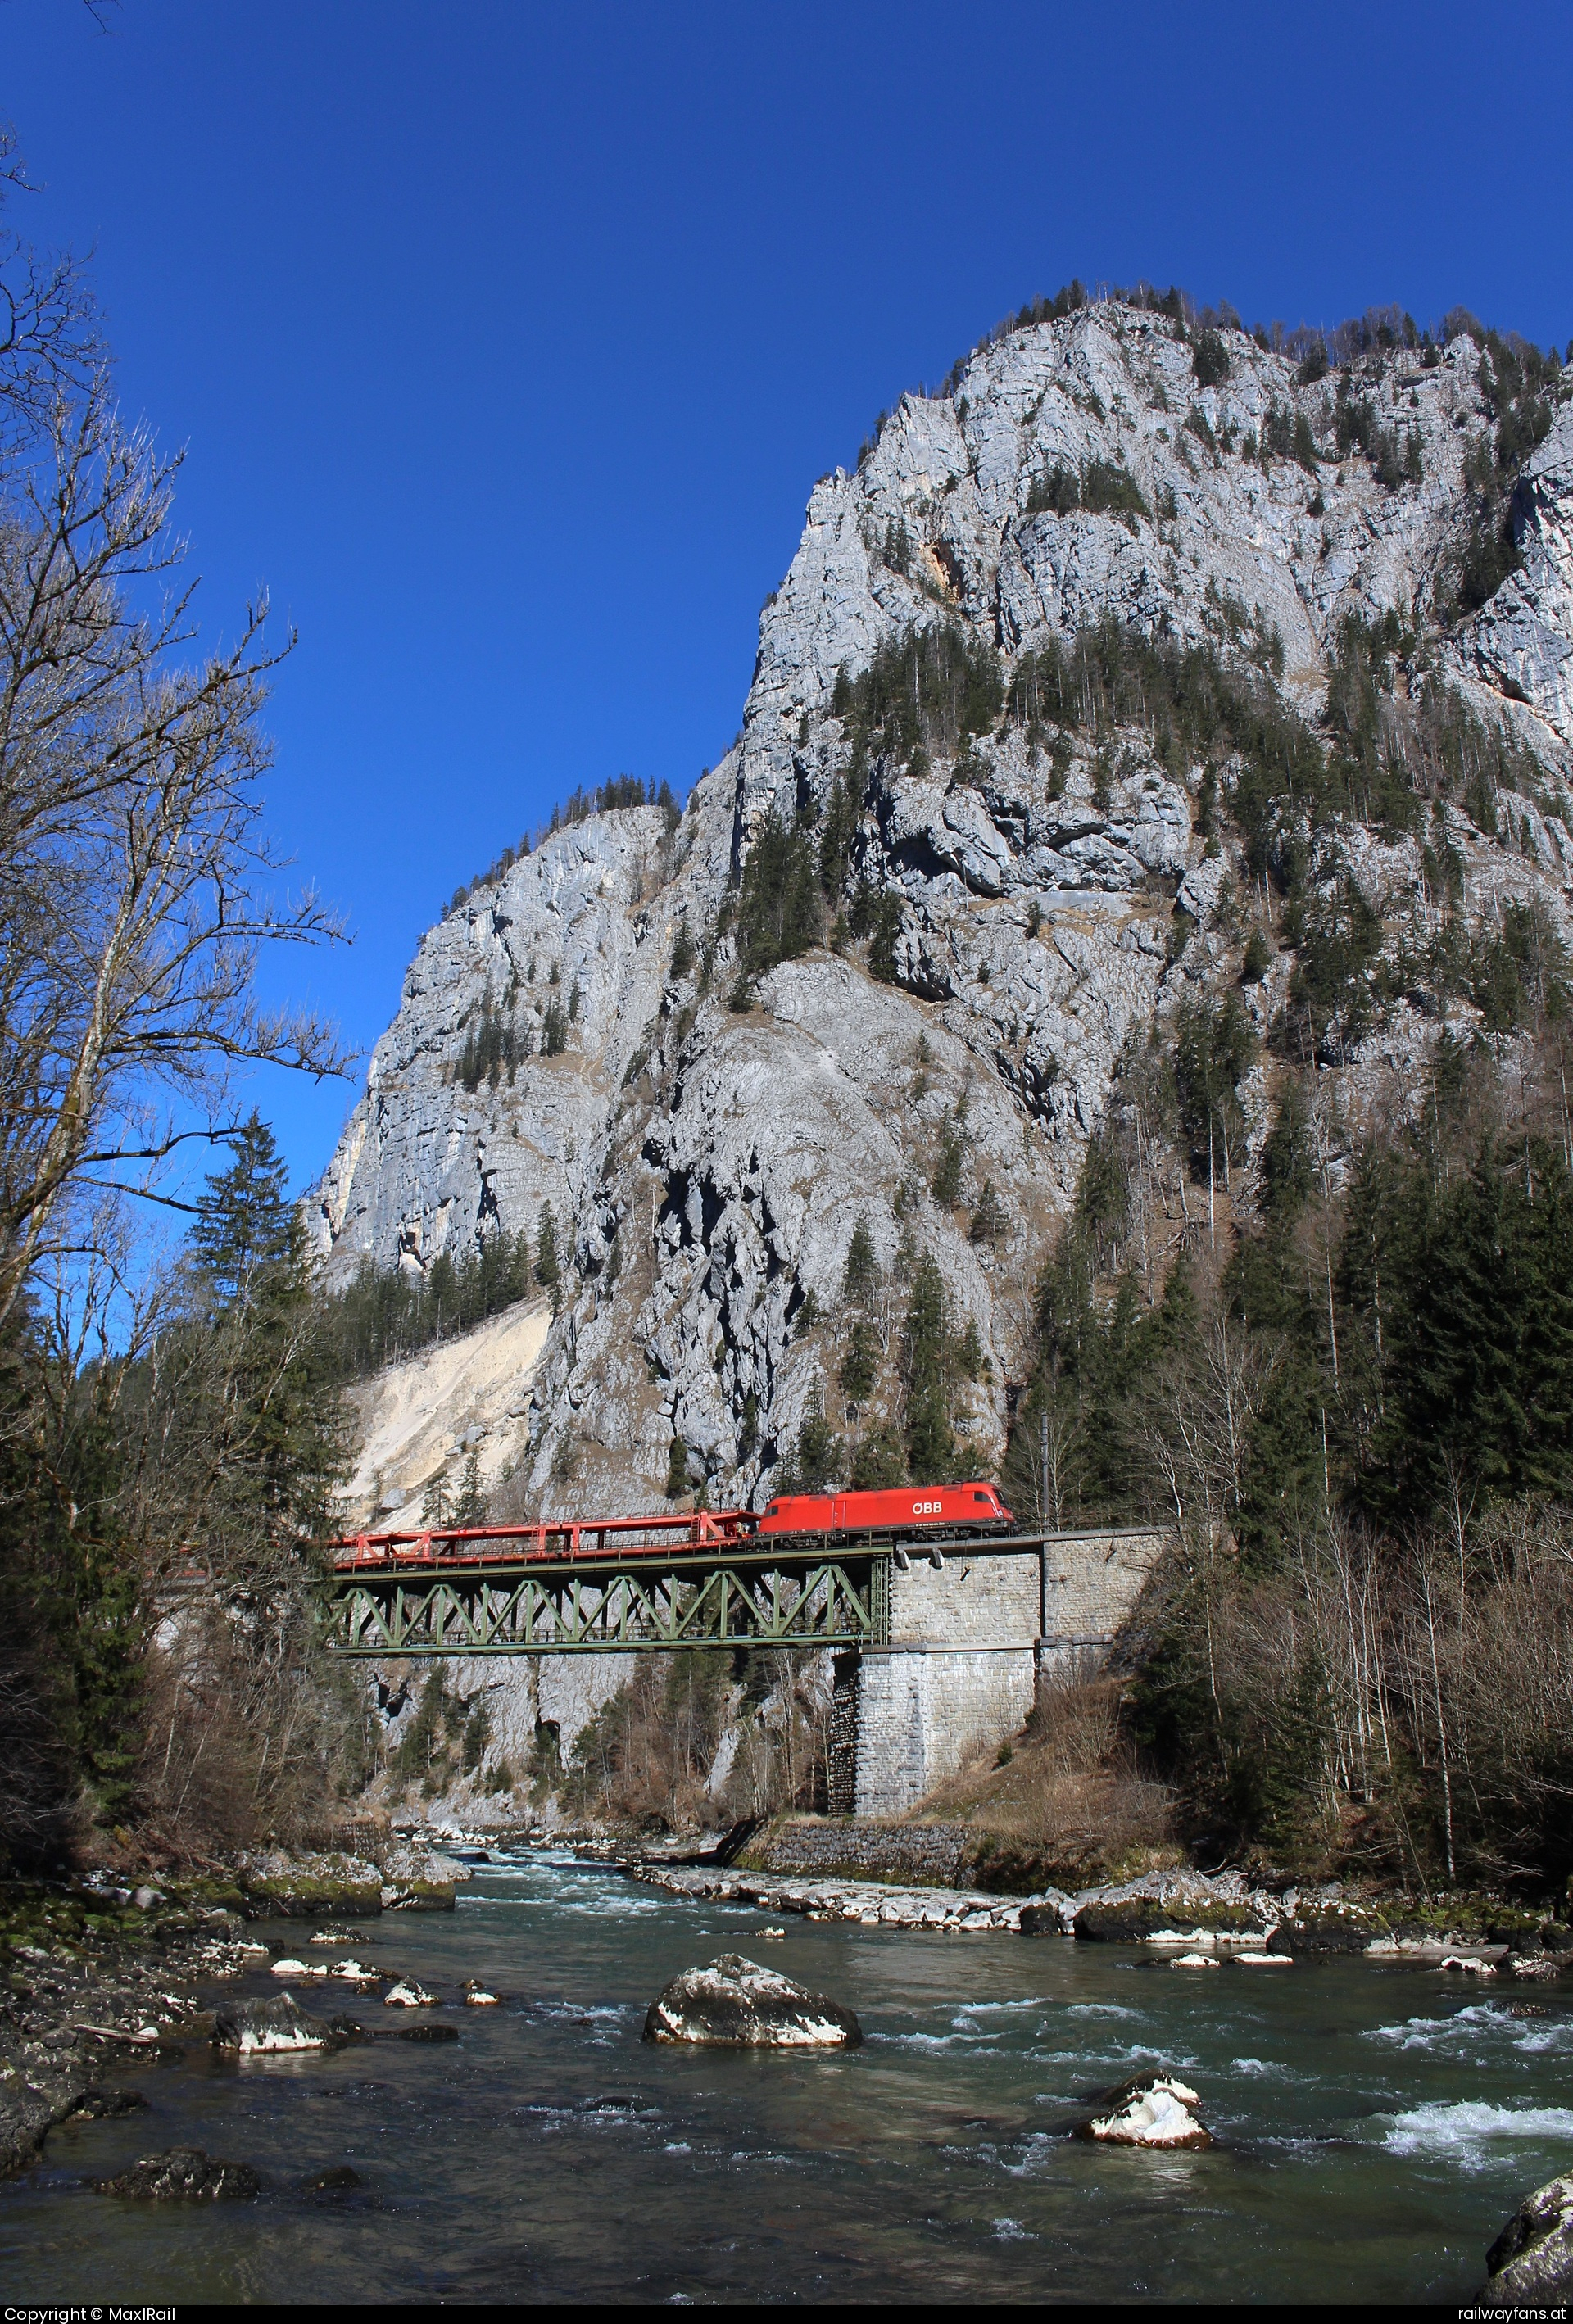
[968, 907]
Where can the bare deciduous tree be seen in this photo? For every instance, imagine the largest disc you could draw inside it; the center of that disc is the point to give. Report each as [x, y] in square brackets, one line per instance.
[133, 865]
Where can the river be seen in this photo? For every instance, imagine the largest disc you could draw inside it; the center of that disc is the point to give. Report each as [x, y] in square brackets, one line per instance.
[1375, 2127]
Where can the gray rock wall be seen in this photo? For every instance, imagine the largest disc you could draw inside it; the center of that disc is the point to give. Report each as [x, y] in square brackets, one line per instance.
[707, 1168]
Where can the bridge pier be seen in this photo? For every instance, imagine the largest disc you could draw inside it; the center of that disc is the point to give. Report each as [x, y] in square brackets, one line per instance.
[973, 1639]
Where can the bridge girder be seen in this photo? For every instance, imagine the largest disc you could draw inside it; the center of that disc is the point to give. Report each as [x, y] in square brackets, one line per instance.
[617, 1608]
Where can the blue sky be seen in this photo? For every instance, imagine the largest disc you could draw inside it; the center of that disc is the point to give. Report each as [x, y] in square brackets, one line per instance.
[507, 341]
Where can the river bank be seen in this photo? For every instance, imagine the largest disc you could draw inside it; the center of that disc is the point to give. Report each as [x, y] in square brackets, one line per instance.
[1375, 2124]
[97, 1988]
[101, 1978]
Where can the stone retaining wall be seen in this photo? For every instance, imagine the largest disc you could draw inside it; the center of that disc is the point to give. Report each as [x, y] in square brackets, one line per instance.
[921, 1855]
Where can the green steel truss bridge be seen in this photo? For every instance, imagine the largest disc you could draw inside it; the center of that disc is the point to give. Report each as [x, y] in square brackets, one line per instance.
[608, 1586]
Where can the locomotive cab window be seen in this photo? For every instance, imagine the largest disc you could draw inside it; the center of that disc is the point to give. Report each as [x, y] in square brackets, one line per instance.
[980, 1497]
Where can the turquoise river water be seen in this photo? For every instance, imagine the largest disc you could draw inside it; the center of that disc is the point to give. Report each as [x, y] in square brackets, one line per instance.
[1376, 2126]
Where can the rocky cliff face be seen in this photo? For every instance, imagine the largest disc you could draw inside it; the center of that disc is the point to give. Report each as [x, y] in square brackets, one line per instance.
[1042, 895]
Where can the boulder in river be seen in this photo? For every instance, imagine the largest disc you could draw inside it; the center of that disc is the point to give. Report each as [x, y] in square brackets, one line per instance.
[1044, 1919]
[277, 2023]
[98, 2102]
[338, 2180]
[182, 2174]
[1532, 2257]
[407, 1995]
[420, 1879]
[1179, 1920]
[1155, 2110]
[310, 1887]
[1331, 1928]
[735, 2003]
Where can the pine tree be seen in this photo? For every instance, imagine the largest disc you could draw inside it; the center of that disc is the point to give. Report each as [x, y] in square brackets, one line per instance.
[816, 1454]
[930, 1442]
[860, 1277]
[280, 1416]
[548, 1269]
[437, 1505]
[245, 1216]
[860, 1364]
[989, 1221]
[470, 1508]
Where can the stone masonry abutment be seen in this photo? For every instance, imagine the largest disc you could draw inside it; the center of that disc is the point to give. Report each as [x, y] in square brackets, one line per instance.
[973, 1636]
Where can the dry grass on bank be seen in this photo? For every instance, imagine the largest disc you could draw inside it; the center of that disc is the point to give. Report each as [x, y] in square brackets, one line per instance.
[1069, 1795]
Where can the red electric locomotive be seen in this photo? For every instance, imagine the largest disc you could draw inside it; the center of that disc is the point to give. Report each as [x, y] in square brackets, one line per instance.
[953, 1509]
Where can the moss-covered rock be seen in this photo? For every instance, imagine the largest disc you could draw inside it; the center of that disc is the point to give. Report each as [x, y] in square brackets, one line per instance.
[418, 1879]
[1336, 1928]
[309, 1888]
[1135, 1920]
[419, 1896]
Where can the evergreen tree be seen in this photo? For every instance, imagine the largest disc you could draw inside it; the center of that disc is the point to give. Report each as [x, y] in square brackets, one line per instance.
[548, 1269]
[470, 1508]
[816, 1454]
[860, 1364]
[245, 1216]
[1481, 1370]
[947, 1183]
[878, 1461]
[437, 1505]
[860, 1277]
[989, 1221]
[930, 1441]
[281, 1418]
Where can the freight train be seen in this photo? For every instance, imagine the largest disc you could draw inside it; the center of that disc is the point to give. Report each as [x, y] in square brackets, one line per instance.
[942, 1511]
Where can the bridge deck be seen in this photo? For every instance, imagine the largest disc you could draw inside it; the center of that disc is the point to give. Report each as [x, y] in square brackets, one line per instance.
[631, 1584]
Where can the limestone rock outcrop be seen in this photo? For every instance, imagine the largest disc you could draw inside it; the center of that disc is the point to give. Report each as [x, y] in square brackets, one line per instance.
[706, 1163]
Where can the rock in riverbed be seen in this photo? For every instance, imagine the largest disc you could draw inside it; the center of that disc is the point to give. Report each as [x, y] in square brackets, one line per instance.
[1532, 2258]
[182, 2174]
[736, 2003]
[98, 2103]
[419, 1880]
[340, 2180]
[1155, 2110]
[277, 2023]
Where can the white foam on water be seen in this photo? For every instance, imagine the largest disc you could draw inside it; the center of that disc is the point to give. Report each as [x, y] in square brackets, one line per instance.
[1479, 2026]
[1100, 2009]
[1265, 2069]
[1119, 2061]
[1012, 2231]
[963, 2044]
[1465, 2130]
